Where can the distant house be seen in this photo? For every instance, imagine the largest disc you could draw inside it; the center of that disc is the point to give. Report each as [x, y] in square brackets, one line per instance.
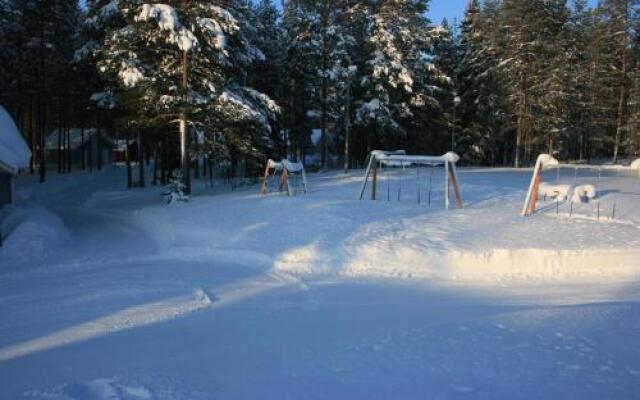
[119, 153]
[82, 142]
[14, 156]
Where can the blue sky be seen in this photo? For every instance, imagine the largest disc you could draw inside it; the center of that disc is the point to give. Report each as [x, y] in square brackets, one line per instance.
[453, 9]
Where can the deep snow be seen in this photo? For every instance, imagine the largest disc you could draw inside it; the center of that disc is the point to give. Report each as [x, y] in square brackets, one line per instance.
[109, 294]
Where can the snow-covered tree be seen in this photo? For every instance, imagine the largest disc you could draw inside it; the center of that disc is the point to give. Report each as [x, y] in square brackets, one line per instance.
[399, 80]
[187, 61]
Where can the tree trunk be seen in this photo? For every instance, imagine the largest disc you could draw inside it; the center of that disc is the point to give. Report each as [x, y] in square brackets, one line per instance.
[347, 126]
[127, 153]
[83, 150]
[98, 141]
[522, 123]
[155, 167]
[141, 181]
[184, 134]
[324, 142]
[621, 108]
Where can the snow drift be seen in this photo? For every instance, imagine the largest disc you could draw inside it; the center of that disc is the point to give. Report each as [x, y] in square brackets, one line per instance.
[29, 233]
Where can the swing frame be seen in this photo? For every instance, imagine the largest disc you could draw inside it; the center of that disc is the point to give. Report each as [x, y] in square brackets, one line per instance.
[449, 161]
[285, 168]
[547, 162]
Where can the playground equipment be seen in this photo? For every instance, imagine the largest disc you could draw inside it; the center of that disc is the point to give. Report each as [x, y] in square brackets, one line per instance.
[583, 177]
[284, 174]
[385, 160]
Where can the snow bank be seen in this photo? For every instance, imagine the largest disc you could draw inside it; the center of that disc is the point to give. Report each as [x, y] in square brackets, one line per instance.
[494, 265]
[584, 193]
[14, 152]
[558, 192]
[29, 233]
[636, 164]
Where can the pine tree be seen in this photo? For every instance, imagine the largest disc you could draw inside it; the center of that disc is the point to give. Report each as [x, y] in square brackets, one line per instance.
[398, 75]
[188, 61]
[619, 16]
[483, 108]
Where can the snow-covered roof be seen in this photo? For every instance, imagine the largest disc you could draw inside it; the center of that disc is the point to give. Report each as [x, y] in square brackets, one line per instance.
[76, 138]
[14, 151]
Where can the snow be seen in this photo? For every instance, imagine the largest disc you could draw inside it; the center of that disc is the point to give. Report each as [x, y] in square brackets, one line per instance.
[316, 136]
[547, 161]
[30, 232]
[636, 164]
[559, 192]
[237, 295]
[130, 75]
[167, 19]
[14, 152]
[584, 193]
[211, 25]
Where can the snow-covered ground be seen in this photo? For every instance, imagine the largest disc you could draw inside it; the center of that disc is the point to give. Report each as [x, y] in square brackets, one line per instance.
[109, 294]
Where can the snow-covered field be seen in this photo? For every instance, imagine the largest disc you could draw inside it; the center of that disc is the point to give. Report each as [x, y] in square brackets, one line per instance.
[109, 294]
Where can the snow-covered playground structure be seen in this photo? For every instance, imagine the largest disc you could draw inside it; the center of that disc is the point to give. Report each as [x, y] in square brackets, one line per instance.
[395, 159]
[562, 191]
[284, 171]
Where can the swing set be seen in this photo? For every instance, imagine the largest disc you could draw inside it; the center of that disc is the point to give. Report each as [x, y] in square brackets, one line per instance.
[382, 163]
[285, 175]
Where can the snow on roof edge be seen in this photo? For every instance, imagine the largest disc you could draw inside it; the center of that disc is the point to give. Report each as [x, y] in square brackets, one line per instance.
[14, 151]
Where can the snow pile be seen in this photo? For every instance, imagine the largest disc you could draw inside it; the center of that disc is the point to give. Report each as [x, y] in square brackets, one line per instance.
[557, 192]
[636, 164]
[14, 152]
[29, 233]
[584, 193]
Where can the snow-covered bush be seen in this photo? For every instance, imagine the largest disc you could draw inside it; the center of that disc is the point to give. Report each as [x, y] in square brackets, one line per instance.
[175, 189]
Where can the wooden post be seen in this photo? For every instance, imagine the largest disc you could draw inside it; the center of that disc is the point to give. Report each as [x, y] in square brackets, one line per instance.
[284, 181]
[456, 188]
[446, 185]
[534, 197]
[366, 178]
[265, 180]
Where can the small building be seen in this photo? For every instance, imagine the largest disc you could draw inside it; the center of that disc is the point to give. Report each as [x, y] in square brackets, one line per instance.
[82, 143]
[120, 150]
[14, 156]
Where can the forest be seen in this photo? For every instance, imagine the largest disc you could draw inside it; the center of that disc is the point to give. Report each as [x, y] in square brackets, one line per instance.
[204, 85]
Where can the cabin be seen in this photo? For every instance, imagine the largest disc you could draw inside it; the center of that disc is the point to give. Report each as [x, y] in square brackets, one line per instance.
[14, 156]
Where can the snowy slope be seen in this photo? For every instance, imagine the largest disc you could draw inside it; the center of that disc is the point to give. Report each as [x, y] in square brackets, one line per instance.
[238, 296]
